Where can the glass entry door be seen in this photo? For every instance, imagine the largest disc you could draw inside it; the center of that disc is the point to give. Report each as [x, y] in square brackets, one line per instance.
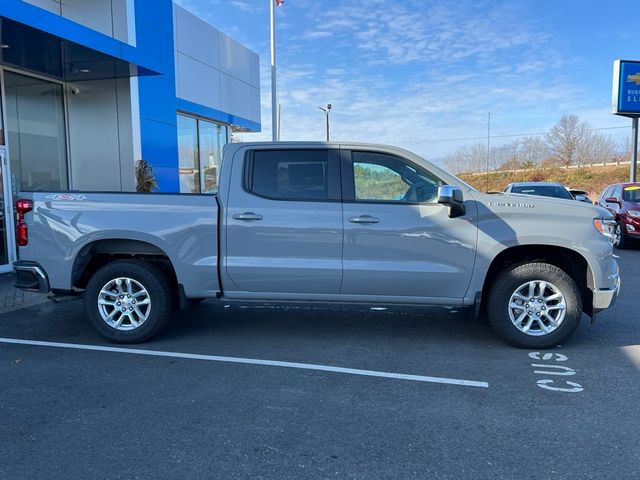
[6, 230]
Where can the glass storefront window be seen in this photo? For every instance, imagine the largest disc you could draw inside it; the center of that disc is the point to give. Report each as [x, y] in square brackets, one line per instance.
[201, 143]
[36, 133]
[188, 154]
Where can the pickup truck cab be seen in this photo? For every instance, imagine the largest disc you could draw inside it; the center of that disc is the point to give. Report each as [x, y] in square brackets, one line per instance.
[322, 222]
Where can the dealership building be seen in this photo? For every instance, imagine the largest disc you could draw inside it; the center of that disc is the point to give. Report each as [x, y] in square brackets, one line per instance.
[88, 87]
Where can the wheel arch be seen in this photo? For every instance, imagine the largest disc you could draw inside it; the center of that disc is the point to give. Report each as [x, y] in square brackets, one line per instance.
[97, 253]
[570, 261]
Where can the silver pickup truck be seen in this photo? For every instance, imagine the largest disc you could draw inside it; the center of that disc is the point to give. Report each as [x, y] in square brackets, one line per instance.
[322, 222]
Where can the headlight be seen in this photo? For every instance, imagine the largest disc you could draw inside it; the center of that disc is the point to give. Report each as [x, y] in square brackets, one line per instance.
[606, 226]
[633, 213]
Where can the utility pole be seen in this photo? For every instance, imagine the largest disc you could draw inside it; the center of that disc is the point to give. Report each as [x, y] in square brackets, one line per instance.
[275, 134]
[326, 115]
[488, 147]
[633, 172]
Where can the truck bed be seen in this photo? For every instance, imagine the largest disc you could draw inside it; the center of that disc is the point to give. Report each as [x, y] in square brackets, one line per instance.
[72, 225]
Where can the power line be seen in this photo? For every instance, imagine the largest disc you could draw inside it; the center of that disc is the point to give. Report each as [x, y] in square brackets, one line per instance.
[514, 135]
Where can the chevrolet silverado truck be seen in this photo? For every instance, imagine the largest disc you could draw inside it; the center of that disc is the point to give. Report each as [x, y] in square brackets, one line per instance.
[322, 222]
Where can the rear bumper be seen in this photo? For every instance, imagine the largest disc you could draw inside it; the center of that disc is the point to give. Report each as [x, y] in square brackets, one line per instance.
[606, 297]
[31, 277]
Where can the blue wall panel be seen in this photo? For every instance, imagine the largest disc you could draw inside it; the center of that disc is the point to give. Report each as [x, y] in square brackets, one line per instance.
[157, 94]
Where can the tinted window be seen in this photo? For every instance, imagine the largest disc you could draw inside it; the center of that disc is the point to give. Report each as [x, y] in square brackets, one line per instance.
[386, 178]
[290, 174]
[543, 190]
[631, 194]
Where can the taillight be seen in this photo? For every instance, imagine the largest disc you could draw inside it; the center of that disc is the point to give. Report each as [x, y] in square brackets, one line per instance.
[22, 232]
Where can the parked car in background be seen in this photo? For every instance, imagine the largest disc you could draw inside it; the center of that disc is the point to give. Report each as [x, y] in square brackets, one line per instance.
[580, 195]
[623, 201]
[541, 189]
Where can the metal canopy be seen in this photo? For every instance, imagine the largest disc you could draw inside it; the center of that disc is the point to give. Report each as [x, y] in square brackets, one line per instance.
[28, 48]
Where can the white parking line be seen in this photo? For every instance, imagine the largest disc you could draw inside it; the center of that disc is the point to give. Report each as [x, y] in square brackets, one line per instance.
[249, 361]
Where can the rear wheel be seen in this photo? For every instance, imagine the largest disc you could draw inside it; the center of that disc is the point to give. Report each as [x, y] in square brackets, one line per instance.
[534, 305]
[128, 301]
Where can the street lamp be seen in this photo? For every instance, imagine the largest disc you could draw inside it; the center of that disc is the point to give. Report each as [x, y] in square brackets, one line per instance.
[326, 115]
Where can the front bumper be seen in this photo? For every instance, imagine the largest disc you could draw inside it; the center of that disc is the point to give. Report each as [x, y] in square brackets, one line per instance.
[605, 297]
[31, 277]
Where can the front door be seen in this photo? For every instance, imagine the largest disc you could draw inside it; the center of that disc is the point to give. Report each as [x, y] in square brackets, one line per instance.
[398, 242]
[284, 224]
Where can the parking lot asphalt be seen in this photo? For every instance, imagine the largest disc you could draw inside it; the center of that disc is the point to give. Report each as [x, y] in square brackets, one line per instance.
[570, 412]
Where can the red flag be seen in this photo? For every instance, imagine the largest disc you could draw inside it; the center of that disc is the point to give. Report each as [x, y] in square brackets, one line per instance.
[279, 2]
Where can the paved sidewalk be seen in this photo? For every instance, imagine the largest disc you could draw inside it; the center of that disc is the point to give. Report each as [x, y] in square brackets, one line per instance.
[13, 299]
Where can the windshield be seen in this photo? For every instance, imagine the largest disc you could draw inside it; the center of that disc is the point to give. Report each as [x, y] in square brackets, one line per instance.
[556, 191]
[631, 194]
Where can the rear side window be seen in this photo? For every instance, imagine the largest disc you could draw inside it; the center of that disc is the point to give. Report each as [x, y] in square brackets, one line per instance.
[289, 174]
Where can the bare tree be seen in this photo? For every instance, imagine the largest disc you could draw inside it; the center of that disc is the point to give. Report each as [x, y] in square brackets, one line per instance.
[595, 147]
[507, 156]
[533, 151]
[467, 159]
[565, 137]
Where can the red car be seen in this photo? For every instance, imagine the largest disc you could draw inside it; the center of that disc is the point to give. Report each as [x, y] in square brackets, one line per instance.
[623, 200]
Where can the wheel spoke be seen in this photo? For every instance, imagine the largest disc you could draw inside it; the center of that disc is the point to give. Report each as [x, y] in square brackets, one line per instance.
[543, 327]
[532, 289]
[553, 297]
[104, 301]
[526, 328]
[552, 320]
[557, 306]
[520, 318]
[542, 286]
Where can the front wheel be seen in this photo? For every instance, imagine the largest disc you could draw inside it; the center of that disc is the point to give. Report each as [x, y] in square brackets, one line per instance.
[128, 301]
[534, 305]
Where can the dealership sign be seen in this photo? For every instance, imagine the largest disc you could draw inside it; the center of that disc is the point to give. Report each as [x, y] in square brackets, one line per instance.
[626, 88]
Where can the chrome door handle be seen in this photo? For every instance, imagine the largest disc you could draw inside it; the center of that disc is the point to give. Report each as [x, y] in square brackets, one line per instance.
[364, 219]
[247, 216]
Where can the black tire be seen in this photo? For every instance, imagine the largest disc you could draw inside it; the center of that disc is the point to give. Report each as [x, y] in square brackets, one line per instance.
[620, 239]
[513, 277]
[160, 294]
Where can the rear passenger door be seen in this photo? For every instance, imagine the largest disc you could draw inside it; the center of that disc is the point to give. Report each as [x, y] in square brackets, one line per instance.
[284, 224]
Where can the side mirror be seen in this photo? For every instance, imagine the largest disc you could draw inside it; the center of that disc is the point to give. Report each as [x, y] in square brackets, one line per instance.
[581, 198]
[452, 197]
[612, 200]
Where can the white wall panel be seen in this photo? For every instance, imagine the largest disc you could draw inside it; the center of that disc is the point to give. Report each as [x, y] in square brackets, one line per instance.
[235, 59]
[197, 38]
[95, 145]
[111, 17]
[52, 6]
[255, 69]
[198, 82]
[255, 104]
[235, 96]
[95, 14]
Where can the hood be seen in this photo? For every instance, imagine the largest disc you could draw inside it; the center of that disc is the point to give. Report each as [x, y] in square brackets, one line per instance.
[554, 206]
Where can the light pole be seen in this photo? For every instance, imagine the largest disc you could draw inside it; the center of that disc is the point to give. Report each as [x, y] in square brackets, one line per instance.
[326, 115]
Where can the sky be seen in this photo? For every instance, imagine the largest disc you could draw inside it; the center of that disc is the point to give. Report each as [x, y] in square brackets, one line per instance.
[424, 74]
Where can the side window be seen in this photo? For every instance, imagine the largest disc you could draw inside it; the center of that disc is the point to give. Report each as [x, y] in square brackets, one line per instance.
[387, 178]
[289, 174]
